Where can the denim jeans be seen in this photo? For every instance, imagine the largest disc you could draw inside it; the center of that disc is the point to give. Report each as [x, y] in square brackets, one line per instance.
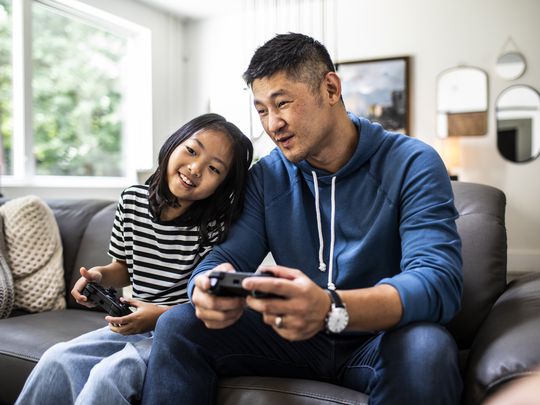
[99, 367]
[415, 364]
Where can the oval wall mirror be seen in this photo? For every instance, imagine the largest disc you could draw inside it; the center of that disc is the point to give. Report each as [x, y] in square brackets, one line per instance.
[518, 123]
[511, 65]
[462, 102]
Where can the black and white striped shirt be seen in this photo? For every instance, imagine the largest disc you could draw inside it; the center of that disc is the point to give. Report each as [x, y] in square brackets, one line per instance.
[160, 255]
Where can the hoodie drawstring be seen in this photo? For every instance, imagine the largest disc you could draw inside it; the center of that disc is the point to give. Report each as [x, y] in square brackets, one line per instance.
[322, 265]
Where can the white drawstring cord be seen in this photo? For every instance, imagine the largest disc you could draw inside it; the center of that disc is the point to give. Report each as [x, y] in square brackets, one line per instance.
[331, 285]
[322, 265]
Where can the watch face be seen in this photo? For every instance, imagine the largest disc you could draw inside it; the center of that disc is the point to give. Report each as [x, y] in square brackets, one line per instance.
[337, 320]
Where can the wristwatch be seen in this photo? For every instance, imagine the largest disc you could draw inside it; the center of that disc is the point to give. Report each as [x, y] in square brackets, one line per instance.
[338, 317]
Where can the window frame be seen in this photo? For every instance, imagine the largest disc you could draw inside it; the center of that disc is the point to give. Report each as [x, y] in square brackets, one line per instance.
[137, 144]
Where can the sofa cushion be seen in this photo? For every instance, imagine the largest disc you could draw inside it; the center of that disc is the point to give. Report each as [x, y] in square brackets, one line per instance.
[34, 254]
[94, 246]
[506, 346]
[483, 236]
[273, 390]
[7, 292]
[25, 338]
[72, 217]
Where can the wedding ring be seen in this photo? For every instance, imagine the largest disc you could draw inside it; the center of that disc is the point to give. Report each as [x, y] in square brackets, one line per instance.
[278, 322]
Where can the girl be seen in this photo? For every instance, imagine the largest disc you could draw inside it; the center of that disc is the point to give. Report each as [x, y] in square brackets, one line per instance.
[161, 232]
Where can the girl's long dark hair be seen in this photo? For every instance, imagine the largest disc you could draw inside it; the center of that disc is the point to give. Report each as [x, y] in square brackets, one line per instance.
[214, 214]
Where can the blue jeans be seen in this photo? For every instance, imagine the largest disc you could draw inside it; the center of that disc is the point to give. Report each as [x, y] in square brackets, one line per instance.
[415, 364]
[99, 367]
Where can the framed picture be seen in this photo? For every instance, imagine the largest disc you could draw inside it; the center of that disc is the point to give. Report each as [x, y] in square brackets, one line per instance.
[378, 89]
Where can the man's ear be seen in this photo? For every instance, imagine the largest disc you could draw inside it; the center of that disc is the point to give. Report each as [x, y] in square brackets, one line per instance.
[332, 87]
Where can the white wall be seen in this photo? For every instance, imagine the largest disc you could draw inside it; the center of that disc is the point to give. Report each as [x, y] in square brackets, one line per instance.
[437, 35]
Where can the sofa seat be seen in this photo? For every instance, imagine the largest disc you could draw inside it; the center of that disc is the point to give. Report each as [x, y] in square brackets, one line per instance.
[25, 338]
[271, 390]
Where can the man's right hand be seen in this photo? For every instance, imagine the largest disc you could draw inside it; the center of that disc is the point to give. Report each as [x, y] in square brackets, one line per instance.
[93, 275]
[216, 312]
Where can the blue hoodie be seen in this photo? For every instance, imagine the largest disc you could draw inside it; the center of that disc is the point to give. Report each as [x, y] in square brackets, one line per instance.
[394, 223]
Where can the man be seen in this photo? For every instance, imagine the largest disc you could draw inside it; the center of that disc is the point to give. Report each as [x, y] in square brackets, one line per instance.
[361, 223]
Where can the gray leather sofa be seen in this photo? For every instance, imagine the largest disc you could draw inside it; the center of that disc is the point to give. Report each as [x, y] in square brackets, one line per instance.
[497, 329]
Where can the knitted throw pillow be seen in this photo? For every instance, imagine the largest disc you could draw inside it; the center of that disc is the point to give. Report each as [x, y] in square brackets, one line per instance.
[7, 293]
[34, 254]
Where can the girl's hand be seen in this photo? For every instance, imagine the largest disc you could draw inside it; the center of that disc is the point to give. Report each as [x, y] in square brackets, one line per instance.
[142, 320]
[93, 275]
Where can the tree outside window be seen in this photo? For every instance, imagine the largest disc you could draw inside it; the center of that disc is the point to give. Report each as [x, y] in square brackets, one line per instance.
[86, 83]
[5, 88]
[77, 96]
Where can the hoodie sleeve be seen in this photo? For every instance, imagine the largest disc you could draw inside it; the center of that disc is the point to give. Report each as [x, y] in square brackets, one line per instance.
[246, 245]
[430, 282]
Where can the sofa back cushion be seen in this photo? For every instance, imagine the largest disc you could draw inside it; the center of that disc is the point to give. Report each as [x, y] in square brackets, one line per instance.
[481, 225]
[93, 246]
[72, 217]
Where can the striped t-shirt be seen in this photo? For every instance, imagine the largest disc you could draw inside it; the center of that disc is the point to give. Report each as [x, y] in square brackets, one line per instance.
[160, 255]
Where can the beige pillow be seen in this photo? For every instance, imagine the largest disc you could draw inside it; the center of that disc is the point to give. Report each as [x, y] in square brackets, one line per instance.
[7, 294]
[34, 254]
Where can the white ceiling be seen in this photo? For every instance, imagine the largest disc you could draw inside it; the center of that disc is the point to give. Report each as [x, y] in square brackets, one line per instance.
[195, 9]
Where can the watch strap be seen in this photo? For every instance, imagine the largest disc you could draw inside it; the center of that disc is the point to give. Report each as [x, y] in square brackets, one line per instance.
[336, 299]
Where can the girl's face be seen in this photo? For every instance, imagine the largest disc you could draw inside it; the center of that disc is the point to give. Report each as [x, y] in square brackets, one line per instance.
[199, 165]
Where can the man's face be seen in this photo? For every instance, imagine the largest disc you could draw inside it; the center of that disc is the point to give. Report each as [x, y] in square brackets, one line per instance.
[296, 118]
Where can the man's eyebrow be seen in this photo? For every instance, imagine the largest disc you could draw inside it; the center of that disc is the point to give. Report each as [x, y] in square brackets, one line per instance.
[273, 95]
[278, 93]
[213, 157]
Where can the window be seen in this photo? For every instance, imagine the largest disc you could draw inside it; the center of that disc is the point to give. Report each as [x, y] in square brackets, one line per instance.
[81, 91]
[5, 88]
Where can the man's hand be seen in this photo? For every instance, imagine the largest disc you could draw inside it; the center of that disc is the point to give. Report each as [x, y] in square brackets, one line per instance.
[302, 311]
[216, 312]
[93, 275]
[142, 320]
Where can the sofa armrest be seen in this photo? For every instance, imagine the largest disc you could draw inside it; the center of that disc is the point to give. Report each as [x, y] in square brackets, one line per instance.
[506, 346]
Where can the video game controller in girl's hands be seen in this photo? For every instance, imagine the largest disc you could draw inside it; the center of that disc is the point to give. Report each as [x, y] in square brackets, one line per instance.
[106, 298]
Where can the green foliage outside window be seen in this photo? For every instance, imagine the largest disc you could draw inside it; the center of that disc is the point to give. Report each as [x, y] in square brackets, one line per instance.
[76, 97]
[5, 87]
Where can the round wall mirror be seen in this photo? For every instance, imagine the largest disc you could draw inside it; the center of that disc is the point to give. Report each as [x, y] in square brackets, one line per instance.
[511, 65]
[462, 102]
[518, 123]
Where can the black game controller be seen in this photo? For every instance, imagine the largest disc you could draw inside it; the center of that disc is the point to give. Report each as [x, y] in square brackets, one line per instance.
[106, 298]
[226, 284]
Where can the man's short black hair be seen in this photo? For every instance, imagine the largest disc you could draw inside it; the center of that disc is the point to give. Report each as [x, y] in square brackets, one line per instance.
[300, 57]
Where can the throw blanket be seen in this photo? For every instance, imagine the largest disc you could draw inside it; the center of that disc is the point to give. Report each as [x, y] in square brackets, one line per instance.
[34, 254]
[7, 294]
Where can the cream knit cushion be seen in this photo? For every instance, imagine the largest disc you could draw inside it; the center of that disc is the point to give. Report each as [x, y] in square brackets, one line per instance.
[7, 292]
[34, 254]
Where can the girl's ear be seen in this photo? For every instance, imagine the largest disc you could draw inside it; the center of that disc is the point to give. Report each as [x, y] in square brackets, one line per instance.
[332, 87]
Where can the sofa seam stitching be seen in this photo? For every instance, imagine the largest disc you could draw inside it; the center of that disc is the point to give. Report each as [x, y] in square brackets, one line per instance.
[302, 393]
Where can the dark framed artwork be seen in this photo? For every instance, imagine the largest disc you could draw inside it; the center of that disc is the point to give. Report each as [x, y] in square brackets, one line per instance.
[378, 89]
